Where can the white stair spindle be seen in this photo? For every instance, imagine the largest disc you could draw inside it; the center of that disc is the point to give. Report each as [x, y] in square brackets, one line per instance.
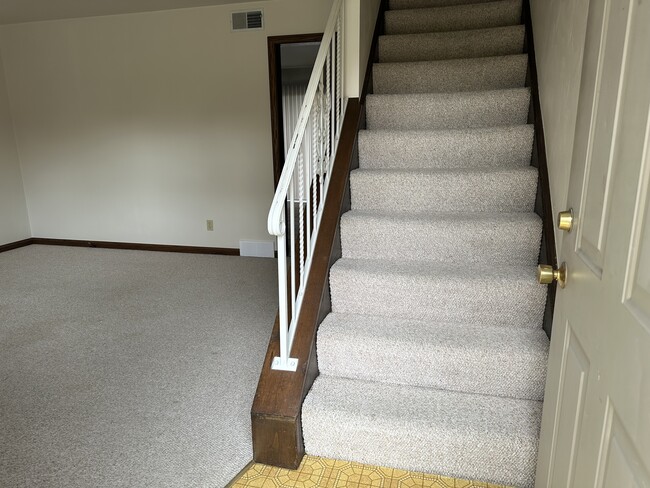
[304, 181]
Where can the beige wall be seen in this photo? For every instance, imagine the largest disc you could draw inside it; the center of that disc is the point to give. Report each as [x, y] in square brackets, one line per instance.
[14, 224]
[559, 28]
[360, 17]
[140, 127]
[369, 10]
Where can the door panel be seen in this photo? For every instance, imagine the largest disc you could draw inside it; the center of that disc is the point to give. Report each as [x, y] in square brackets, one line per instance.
[620, 465]
[637, 292]
[573, 385]
[592, 227]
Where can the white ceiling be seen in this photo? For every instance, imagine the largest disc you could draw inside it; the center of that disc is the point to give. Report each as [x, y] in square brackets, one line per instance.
[15, 11]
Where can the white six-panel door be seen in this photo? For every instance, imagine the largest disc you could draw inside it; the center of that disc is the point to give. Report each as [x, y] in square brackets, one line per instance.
[596, 421]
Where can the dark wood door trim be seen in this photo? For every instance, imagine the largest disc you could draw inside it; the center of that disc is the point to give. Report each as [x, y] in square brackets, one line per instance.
[275, 92]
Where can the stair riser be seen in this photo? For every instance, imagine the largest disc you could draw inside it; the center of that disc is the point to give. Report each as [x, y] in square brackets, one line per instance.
[500, 302]
[487, 371]
[463, 436]
[479, 148]
[452, 45]
[409, 4]
[450, 241]
[444, 192]
[448, 111]
[478, 74]
[462, 17]
[375, 445]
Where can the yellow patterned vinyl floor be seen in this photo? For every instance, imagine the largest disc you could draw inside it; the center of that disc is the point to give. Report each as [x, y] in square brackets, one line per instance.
[320, 472]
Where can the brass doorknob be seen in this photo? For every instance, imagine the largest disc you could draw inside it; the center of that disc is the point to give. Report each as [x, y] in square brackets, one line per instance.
[546, 274]
[565, 220]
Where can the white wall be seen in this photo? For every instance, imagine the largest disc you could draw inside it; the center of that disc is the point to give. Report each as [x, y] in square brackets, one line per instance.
[14, 224]
[360, 18]
[559, 28]
[139, 127]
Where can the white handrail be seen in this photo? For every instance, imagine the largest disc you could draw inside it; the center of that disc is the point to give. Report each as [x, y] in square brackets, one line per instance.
[301, 191]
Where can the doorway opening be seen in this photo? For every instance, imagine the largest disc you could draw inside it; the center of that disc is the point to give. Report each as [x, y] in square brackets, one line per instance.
[291, 60]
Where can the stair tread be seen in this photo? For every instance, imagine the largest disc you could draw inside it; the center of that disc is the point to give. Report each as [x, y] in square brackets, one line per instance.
[453, 17]
[507, 295]
[423, 429]
[467, 96]
[473, 43]
[504, 146]
[434, 63]
[451, 75]
[427, 217]
[446, 132]
[436, 172]
[413, 4]
[418, 37]
[460, 110]
[433, 271]
[457, 189]
[491, 409]
[471, 237]
[470, 357]
[436, 334]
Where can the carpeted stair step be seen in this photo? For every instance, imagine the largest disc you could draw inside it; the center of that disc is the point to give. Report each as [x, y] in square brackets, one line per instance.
[463, 435]
[408, 4]
[476, 237]
[451, 18]
[474, 358]
[498, 41]
[432, 111]
[444, 149]
[451, 75]
[454, 190]
[504, 295]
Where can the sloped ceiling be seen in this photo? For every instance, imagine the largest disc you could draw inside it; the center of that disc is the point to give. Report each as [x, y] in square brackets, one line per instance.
[16, 11]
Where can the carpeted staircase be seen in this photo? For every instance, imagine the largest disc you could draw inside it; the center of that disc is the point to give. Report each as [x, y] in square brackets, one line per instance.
[433, 358]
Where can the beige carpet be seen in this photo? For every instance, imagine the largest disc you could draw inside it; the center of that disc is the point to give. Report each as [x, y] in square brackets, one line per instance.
[431, 360]
[129, 368]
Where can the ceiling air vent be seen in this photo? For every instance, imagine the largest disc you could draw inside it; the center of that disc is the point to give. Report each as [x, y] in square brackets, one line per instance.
[247, 20]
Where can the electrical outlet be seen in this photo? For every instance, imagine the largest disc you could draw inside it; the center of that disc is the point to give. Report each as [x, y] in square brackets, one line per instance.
[210, 225]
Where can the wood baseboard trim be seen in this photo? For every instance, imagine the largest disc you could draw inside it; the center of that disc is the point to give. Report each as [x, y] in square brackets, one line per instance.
[132, 246]
[15, 245]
